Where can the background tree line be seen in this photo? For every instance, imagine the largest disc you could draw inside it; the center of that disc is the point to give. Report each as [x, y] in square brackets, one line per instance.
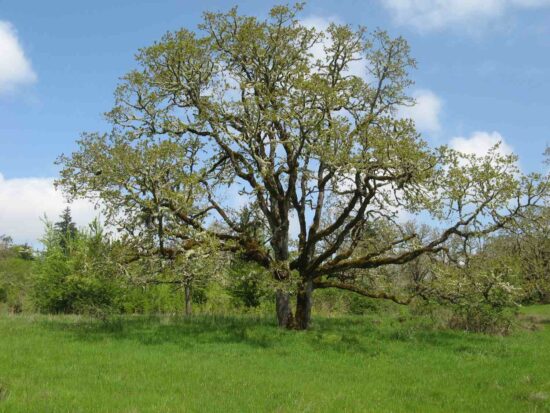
[86, 271]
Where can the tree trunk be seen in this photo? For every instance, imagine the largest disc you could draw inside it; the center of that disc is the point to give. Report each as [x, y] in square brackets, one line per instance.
[188, 301]
[281, 272]
[303, 305]
[282, 306]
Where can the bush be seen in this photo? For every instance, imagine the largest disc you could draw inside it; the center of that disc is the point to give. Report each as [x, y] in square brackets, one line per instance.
[479, 295]
[482, 318]
[76, 276]
[15, 281]
[362, 305]
[61, 288]
[246, 284]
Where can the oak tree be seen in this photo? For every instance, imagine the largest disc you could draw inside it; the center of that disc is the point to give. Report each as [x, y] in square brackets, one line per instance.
[272, 110]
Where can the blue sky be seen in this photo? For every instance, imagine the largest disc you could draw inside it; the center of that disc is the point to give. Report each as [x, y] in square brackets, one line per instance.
[483, 75]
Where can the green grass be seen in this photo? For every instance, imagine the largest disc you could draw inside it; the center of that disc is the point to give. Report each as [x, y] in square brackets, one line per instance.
[245, 364]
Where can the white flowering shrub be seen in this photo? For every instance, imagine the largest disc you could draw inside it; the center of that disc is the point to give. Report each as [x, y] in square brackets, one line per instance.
[483, 295]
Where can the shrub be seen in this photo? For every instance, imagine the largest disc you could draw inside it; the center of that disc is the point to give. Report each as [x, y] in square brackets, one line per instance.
[482, 318]
[76, 276]
[246, 284]
[15, 281]
[479, 295]
[362, 305]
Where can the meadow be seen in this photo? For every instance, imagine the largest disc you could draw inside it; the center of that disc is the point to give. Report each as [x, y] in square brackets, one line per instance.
[374, 363]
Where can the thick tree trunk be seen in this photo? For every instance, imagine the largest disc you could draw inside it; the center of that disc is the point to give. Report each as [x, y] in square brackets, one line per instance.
[303, 305]
[281, 272]
[284, 312]
[188, 300]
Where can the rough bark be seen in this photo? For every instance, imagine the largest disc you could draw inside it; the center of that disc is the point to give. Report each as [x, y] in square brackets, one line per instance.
[284, 312]
[303, 305]
[281, 272]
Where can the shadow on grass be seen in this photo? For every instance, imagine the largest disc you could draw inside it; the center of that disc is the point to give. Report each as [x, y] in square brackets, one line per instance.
[341, 335]
[185, 332]
[368, 336]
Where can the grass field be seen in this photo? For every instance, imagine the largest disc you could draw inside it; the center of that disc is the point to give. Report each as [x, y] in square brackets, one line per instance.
[244, 364]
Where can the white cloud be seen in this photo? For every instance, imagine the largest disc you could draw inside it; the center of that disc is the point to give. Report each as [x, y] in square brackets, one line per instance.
[428, 15]
[356, 68]
[480, 142]
[24, 201]
[425, 112]
[15, 68]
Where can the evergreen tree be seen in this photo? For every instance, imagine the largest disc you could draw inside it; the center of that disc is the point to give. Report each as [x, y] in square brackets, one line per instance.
[66, 229]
